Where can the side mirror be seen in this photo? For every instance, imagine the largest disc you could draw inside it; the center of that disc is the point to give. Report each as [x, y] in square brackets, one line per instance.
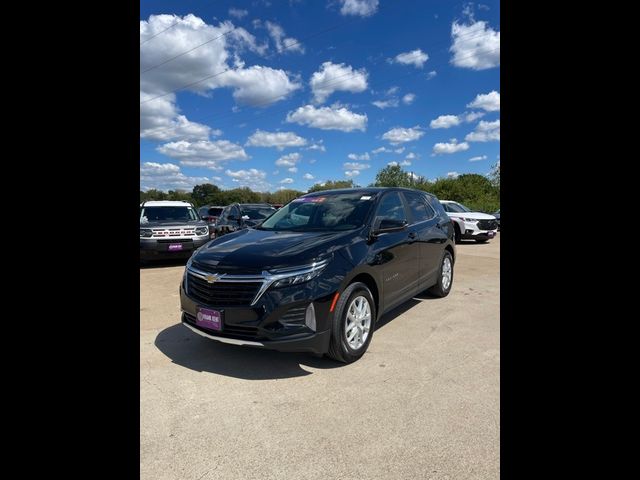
[387, 225]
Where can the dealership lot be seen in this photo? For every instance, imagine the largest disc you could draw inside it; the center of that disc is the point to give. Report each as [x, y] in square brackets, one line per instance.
[423, 402]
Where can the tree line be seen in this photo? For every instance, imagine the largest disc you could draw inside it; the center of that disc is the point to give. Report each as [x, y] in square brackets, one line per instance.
[475, 191]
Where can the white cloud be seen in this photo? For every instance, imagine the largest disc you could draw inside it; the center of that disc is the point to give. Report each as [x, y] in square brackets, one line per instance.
[381, 150]
[289, 160]
[475, 46]
[252, 178]
[401, 135]
[328, 118]
[293, 169]
[281, 41]
[238, 12]
[203, 153]
[393, 164]
[431, 74]
[405, 163]
[445, 121]
[307, 176]
[353, 156]
[392, 90]
[485, 132]
[382, 104]
[312, 161]
[279, 140]
[488, 101]
[416, 57]
[362, 8]
[317, 146]
[478, 158]
[452, 147]
[399, 150]
[453, 174]
[408, 98]
[411, 156]
[333, 77]
[352, 173]
[286, 180]
[166, 176]
[356, 166]
[259, 86]
[472, 116]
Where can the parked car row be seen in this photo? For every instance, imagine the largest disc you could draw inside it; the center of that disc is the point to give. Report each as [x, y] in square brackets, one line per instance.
[314, 275]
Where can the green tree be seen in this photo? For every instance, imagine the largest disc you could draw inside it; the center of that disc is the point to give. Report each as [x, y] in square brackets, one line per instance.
[204, 194]
[152, 194]
[331, 184]
[395, 176]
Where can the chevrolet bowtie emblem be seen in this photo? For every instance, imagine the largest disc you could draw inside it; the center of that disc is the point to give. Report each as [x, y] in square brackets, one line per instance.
[212, 278]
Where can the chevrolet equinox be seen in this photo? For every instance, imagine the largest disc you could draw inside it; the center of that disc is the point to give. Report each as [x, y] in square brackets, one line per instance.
[317, 274]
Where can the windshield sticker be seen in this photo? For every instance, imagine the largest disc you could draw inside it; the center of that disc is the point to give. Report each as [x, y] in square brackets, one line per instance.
[365, 197]
[311, 199]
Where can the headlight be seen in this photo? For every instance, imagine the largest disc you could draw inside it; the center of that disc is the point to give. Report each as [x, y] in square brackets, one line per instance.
[472, 220]
[202, 230]
[146, 232]
[297, 275]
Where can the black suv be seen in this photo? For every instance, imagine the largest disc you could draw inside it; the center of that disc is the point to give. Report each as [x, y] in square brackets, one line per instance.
[238, 216]
[317, 274]
[170, 229]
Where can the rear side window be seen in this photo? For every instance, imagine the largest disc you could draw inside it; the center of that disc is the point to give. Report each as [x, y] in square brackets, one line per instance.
[420, 210]
[391, 207]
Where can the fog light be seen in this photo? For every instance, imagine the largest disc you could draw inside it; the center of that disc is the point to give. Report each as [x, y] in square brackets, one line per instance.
[310, 317]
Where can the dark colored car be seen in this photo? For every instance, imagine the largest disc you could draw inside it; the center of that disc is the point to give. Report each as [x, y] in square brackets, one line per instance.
[210, 214]
[238, 216]
[170, 229]
[318, 273]
[497, 215]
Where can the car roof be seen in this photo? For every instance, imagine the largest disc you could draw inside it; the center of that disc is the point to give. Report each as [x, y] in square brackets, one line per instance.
[255, 205]
[165, 203]
[365, 191]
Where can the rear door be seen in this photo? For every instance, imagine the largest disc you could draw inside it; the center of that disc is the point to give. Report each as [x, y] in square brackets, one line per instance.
[430, 234]
[395, 253]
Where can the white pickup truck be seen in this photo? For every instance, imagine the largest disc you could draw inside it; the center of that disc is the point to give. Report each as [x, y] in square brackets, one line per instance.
[470, 225]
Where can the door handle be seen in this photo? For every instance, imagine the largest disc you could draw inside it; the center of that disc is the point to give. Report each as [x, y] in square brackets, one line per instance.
[413, 235]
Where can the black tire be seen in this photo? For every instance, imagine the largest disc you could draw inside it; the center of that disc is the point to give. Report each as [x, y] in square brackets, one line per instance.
[457, 236]
[481, 240]
[339, 349]
[438, 289]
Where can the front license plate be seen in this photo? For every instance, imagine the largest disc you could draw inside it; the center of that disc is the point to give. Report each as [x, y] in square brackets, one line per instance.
[207, 318]
[175, 247]
[491, 234]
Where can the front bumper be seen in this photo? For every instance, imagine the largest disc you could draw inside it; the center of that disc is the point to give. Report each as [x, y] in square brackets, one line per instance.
[152, 248]
[472, 231]
[262, 325]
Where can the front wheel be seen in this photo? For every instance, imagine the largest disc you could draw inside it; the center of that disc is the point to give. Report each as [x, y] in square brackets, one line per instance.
[353, 322]
[445, 278]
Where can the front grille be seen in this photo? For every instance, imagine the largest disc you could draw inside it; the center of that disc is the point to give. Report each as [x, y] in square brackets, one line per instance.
[487, 224]
[222, 293]
[229, 269]
[173, 232]
[242, 332]
[294, 316]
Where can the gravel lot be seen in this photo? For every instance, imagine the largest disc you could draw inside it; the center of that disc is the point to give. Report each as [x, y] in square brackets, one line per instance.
[423, 403]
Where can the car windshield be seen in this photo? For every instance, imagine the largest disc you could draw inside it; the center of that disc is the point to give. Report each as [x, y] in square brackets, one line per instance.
[257, 212]
[160, 214]
[328, 212]
[455, 207]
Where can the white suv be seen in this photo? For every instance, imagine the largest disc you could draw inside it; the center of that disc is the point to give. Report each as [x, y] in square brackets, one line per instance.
[467, 224]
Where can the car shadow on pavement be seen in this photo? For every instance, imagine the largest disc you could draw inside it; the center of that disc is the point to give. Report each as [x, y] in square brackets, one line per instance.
[400, 309]
[192, 351]
[165, 262]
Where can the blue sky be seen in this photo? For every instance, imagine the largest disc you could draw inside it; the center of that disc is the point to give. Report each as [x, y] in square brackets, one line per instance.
[285, 94]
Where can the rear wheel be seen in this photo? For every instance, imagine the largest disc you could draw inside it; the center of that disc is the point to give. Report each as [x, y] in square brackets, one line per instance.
[353, 322]
[445, 278]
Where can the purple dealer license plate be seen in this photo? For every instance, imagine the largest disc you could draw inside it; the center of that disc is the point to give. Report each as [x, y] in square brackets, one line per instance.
[211, 319]
[174, 247]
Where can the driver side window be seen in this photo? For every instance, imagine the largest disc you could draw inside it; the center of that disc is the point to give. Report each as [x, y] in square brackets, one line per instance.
[391, 206]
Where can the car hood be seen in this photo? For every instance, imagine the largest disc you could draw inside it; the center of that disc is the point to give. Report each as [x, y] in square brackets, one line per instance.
[474, 215]
[252, 251]
[159, 224]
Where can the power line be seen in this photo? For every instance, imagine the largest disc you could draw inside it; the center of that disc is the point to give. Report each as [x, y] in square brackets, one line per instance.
[182, 87]
[273, 99]
[188, 51]
[161, 31]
